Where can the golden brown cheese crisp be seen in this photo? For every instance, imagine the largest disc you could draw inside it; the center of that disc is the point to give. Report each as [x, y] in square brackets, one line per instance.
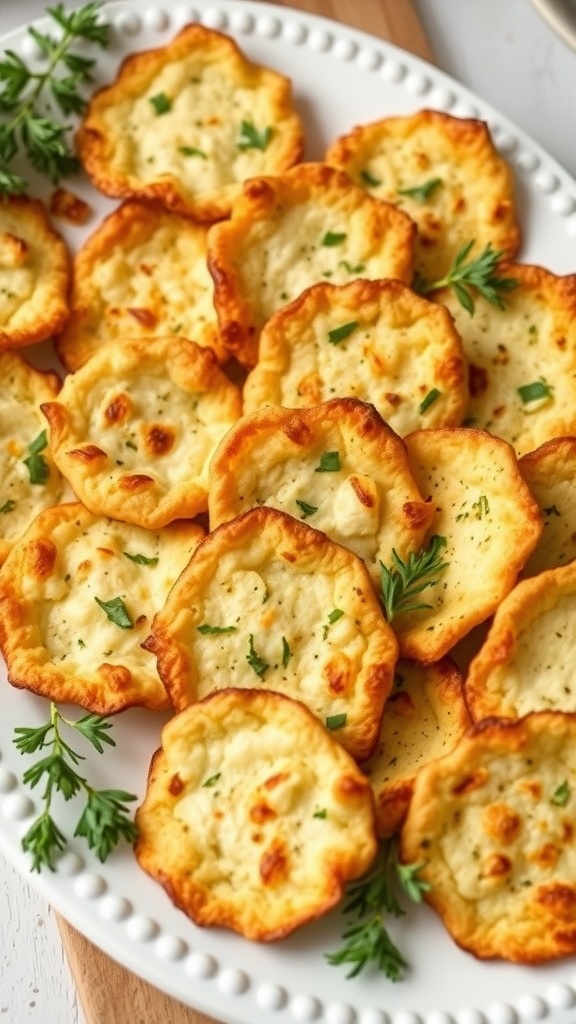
[77, 596]
[142, 273]
[337, 465]
[268, 601]
[34, 274]
[187, 123]
[493, 824]
[133, 429]
[522, 359]
[526, 661]
[30, 479]
[294, 230]
[446, 173]
[373, 340]
[490, 522]
[255, 817]
[550, 472]
[424, 718]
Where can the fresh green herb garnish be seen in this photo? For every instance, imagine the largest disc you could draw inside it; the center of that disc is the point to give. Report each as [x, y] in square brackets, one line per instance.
[321, 814]
[369, 179]
[421, 192]
[537, 391]
[334, 722]
[8, 506]
[359, 268]
[401, 584]
[192, 151]
[306, 509]
[479, 273]
[329, 463]
[212, 780]
[208, 630]
[286, 652]
[338, 334]
[251, 138]
[429, 400]
[38, 469]
[161, 103]
[561, 795]
[141, 559]
[103, 822]
[116, 611]
[481, 507]
[333, 617]
[333, 238]
[366, 940]
[255, 661]
[23, 126]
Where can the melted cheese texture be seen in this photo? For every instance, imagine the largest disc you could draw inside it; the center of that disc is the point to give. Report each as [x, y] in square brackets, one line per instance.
[254, 816]
[493, 822]
[78, 596]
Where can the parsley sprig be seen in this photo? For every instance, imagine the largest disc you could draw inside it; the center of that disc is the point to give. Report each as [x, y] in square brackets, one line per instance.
[479, 273]
[24, 125]
[366, 939]
[103, 822]
[401, 585]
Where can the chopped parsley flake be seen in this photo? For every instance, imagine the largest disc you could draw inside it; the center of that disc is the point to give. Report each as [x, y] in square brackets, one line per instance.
[255, 661]
[116, 611]
[161, 103]
[429, 400]
[212, 780]
[329, 463]
[561, 795]
[8, 506]
[334, 722]
[251, 138]
[306, 509]
[421, 192]
[141, 559]
[333, 238]
[338, 334]
[207, 630]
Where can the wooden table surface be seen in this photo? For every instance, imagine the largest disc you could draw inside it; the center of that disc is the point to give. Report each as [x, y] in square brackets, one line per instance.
[102, 983]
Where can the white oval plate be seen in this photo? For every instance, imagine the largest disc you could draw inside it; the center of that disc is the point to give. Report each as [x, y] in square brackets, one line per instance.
[341, 77]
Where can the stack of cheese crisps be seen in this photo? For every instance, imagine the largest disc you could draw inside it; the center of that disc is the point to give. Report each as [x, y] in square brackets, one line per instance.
[273, 407]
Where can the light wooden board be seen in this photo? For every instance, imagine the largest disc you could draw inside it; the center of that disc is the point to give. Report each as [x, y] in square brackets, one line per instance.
[107, 991]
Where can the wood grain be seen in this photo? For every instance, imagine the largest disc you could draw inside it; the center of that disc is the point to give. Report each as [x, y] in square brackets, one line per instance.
[110, 994]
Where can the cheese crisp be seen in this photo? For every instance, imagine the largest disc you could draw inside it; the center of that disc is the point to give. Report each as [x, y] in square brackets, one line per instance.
[493, 824]
[374, 340]
[490, 523]
[34, 274]
[550, 473]
[425, 717]
[133, 430]
[142, 273]
[522, 359]
[526, 662]
[338, 466]
[30, 480]
[446, 173]
[187, 123]
[77, 596]
[268, 601]
[255, 817]
[294, 230]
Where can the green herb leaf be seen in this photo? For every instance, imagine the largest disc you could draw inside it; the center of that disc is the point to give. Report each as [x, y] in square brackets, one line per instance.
[429, 399]
[421, 192]
[332, 238]
[255, 661]
[359, 268]
[251, 138]
[207, 630]
[141, 559]
[321, 814]
[335, 722]
[400, 585]
[212, 780]
[161, 103]
[561, 795]
[24, 127]
[286, 652]
[192, 151]
[369, 179]
[537, 391]
[103, 822]
[479, 273]
[8, 506]
[338, 334]
[329, 463]
[116, 611]
[306, 509]
[38, 469]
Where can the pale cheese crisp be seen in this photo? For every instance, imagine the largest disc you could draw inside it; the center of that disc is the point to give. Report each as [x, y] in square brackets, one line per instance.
[77, 596]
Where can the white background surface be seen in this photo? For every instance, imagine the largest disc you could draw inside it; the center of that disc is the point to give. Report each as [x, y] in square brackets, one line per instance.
[504, 52]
